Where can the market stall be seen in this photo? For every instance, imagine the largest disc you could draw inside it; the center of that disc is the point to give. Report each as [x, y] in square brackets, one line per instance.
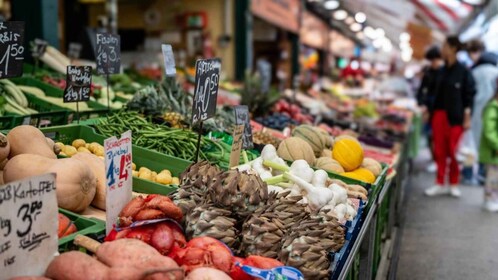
[182, 172]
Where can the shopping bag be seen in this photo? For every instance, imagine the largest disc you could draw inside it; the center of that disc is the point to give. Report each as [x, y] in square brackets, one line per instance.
[467, 149]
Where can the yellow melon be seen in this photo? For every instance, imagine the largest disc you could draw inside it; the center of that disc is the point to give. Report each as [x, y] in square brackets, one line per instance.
[348, 153]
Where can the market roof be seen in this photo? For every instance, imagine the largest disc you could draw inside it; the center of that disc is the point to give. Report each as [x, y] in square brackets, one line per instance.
[394, 17]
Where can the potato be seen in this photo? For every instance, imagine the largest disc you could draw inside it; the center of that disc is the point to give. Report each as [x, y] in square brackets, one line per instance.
[164, 178]
[70, 150]
[134, 173]
[145, 174]
[78, 143]
[133, 166]
[175, 181]
[93, 146]
[76, 265]
[83, 150]
[154, 175]
[99, 151]
[144, 169]
[166, 171]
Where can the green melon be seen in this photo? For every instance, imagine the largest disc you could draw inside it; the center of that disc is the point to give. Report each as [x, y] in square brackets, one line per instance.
[312, 136]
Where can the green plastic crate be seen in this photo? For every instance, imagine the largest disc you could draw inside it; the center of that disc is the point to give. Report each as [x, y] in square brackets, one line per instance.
[49, 115]
[96, 108]
[91, 227]
[10, 121]
[373, 189]
[141, 157]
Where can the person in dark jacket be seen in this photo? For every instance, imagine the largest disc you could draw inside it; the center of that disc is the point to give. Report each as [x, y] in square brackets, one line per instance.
[427, 93]
[451, 116]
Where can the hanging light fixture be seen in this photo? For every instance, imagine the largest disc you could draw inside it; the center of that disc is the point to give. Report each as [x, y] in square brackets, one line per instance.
[331, 4]
[340, 15]
[360, 17]
[349, 20]
[355, 27]
[404, 37]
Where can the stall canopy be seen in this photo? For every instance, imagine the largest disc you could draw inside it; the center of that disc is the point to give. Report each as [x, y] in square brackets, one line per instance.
[441, 16]
[409, 25]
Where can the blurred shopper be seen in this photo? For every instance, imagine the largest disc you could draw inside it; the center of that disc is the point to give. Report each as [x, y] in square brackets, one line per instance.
[488, 153]
[427, 93]
[485, 72]
[451, 116]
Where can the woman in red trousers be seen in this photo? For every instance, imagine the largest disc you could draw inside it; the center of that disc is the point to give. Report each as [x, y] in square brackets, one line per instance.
[450, 117]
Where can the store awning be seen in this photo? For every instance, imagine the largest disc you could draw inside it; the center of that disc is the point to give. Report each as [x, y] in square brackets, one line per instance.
[445, 16]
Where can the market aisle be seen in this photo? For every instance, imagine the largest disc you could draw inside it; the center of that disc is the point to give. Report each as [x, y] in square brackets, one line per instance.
[447, 238]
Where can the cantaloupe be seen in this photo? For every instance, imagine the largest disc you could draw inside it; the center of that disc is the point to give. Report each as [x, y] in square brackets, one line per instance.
[348, 153]
[329, 164]
[371, 164]
[312, 136]
[294, 148]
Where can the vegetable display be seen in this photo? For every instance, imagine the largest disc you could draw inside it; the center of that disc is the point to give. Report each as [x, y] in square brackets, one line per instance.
[174, 142]
[306, 216]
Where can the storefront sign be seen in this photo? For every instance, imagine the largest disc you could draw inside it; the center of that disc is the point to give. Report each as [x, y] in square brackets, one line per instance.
[313, 31]
[11, 48]
[28, 226]
[118, 170]
[78, 83]
[282, 13]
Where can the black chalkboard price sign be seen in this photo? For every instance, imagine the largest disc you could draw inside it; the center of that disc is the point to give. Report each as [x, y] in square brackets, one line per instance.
[108, 53]
[11, 48]
[242, 118]
[207, 77]
[78, 83]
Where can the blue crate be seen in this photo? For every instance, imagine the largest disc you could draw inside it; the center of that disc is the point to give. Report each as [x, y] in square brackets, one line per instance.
[338, 259]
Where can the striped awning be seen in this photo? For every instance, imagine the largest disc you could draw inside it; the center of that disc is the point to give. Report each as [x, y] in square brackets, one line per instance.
[444, 15]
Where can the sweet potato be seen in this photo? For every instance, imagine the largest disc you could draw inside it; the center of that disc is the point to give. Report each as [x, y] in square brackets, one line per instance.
[75, 265]
[135, 273]
[132, 252]
[29, 278]
[207, 273]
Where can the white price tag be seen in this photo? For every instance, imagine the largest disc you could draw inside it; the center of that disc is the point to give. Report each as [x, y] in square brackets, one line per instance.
[118, 170]
[28, 226]
[169, 60]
